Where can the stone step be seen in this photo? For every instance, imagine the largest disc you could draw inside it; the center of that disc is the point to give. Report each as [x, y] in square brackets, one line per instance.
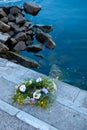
[68, 112]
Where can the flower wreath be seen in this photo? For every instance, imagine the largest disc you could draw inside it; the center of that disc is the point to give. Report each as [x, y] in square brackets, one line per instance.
[40, 91]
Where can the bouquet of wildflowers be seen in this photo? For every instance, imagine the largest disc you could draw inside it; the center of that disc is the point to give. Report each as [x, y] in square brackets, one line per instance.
[40, 92]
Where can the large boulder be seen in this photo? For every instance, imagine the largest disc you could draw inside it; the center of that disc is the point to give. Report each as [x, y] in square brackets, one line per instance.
[34, 48]
[21, 36]
[31, 8]
[6, 9]
[44, 28]
[20, 20]
[11, 18]
[2, 13]
[15, 10]
[45, 39]
[4, 27]
[22, 60]
[13, 25]
[20, 29]
[4, 19]
[3, 48]
[20, 46]
[4, 37]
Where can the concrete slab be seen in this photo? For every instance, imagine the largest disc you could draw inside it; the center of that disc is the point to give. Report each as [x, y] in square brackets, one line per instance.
[8, 122]
[3, 62]
[6, 90]
[58, 116]
[67, 91]
[81, 100]
[8, 108]
[69, 112]
[13, 72]
[34, 121]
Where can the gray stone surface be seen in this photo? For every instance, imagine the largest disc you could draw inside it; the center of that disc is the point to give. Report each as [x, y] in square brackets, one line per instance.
[81, 100]
[3, 62]
[59, 116]
[67, 91]
[8, 122]
[68, 112]
[13, 72]
[8, 108]
[34, 121]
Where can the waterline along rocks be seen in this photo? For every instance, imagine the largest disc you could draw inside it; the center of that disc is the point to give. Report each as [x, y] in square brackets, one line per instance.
[18, 33]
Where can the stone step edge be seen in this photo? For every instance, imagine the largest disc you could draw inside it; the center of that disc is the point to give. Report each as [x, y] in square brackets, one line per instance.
[72, 105]
[25, 117]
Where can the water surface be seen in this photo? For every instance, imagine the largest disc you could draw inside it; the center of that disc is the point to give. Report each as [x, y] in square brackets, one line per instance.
[69, 19]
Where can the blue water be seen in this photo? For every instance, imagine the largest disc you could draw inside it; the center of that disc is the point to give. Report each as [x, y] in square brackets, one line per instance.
[69, 19]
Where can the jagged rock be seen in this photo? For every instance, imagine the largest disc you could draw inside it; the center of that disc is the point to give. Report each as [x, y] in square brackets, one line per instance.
[11, 18]
[4, 37]
[4, 19]
[31, 8]
[24, 61]
[45, 39]
[6, 9]
[11, 33]
[3, 48]
[20, 20]
[55, 72]
[15, 10]
[13, 26]
[20, 29]
[4, 27]
[20, 46]
[34, 48]
[2, 13]
[44, 28]
[17, 33]
[20, 14]
[30, 32]
[13, 41]
[21, 36]
[27, 24]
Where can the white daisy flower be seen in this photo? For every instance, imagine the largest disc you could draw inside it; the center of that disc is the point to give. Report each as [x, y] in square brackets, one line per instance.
[37, 94]
[39, 79]
[22, 88]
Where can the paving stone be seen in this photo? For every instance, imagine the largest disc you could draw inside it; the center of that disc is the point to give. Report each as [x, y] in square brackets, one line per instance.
[34, 121]
[6, 90]
[8, 122]
[13, 72]
[3, 62]
[67, 91]
[81, 100]
[58, 116]
[8, 108]
[32, 74]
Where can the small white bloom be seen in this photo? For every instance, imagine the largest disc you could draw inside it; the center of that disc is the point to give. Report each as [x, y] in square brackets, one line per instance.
[37, 94]
[22, 88]
[30, 82]
[54, 85]
[39, 79]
